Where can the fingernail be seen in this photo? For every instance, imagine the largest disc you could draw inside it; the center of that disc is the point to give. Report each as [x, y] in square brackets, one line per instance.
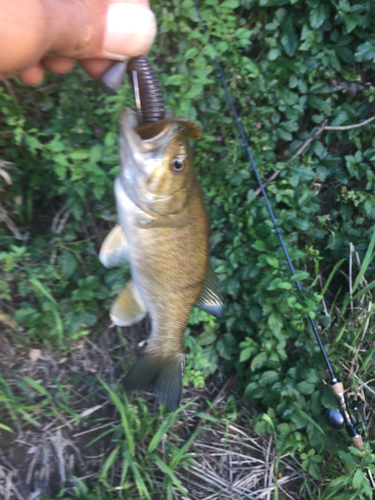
[131, 30]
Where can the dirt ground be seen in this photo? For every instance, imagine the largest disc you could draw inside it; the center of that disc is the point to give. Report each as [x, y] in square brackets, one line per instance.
[52, 449]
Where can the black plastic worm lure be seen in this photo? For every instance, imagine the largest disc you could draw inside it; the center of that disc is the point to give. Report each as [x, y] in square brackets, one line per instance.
[146, 87]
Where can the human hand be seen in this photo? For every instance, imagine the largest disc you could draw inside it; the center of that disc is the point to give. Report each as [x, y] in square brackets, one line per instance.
[53, 34]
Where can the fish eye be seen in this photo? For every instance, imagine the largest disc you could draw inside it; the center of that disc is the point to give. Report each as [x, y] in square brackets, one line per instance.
[179, 164]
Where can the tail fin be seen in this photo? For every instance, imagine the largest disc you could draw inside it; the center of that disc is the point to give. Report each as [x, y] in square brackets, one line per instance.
[159, 374]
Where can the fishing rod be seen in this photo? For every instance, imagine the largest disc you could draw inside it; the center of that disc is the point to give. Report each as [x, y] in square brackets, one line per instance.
[341, 418]
[336, 419]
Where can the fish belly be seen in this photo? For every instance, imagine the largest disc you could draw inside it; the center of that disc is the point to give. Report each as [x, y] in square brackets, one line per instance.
[168, 264]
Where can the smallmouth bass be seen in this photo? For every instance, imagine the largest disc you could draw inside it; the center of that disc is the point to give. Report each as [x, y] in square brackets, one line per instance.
[163, 233]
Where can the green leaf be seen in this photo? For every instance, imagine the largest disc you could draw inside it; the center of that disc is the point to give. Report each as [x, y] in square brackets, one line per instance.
[138, 478]
[273, 54]
[56, 145]
[162, 430]
[259, 360]
[68, 263]
[316, 102]
[36, 386]
[289, 40]
[122, 408]
[338, 482]
[364, 290]
[269, 377]
[180, 454]
[246, 354]
[305, 387]
[317, 16]
[312, 422]
[351, 21]
[80, 154]
[366, 261]
[299, 276]
[285, 285]
[6, 428]
[164, 467]
[96, 153]
[25, 314]
[345, 54]
[365, 52]
[42, 289]
[252, 68]
[272, 261]
[164, 427]
[109, 462]
[33, 142]
[176, 79]
[269, 421]
[207, 337]
[358, 478]
[259, 245]
[110, 139]
[314, 470]
[331, 275]
[194, 91]
[275, 322]
[226, 345]
[231, 4]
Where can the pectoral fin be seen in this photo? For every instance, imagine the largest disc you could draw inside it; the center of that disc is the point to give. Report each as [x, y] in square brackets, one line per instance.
[114, 250]
[128, 307]
[210, 299]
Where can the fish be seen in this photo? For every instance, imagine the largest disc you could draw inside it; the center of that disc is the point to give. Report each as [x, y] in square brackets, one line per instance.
[163, 232]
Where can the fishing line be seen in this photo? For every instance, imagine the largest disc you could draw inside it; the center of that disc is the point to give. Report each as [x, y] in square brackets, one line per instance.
[336, 419]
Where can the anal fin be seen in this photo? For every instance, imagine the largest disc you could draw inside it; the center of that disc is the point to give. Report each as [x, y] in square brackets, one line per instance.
[114, 250]
[128, 307]
[210, 299]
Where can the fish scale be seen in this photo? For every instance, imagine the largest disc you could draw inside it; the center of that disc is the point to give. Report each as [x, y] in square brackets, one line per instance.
[163, 233]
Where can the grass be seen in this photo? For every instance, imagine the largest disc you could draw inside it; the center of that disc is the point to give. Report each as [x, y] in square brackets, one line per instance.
[68, 431]
[71, 433]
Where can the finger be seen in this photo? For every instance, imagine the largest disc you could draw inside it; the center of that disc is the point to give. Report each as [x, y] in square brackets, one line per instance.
[32, 76]
[100, 28]
[22, 38]
[130, 30]
[31, 29]
[95, 67]
[58, 64]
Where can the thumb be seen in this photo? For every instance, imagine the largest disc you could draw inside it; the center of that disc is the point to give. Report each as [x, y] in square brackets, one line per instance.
[76, 29]
[109, 29]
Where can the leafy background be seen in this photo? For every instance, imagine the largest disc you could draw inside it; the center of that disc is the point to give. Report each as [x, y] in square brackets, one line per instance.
[289, 65]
